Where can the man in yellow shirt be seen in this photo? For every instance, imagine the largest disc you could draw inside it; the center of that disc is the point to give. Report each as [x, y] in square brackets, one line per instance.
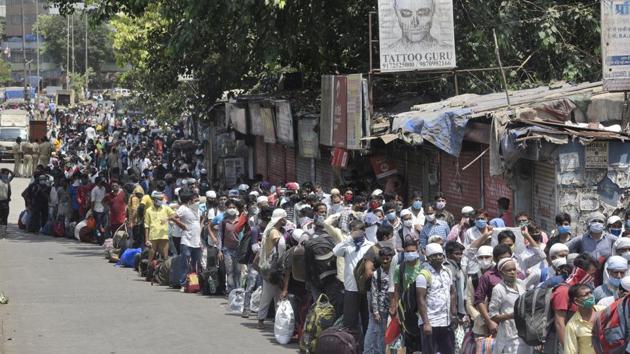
[156, 219]
[578, 331]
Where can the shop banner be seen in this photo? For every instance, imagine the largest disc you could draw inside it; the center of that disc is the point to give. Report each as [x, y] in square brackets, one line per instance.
[255, 119]
[383, 167]
[616, 44]
[354, 111]
[233, 168]
[416, 35]
[237, 116]
[326, 117]
[267, 119]
[308, 143]
[339, 158]
[340, 112]
[284, 122]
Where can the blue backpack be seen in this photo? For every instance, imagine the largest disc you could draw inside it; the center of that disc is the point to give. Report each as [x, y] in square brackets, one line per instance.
[127, 259]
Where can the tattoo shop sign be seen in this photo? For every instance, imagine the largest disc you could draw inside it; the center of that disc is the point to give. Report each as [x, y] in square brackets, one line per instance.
[416, 35]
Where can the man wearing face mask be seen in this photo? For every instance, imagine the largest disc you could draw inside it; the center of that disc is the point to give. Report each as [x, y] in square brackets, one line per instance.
[190, 247]
[405, 273]
[615, 226]
[417, 213]
[6, 176]
[558, 271]
[441, 212]
[596, 242]
[436, 296]
[578, 330]
[115, 201]
[433, 226]
[336, 202]
[454, 254]
[562, 233]
[408, 226]
[614, 269]
[483, 256]
[156, 220]
[458, 231]
[229, 237]
[352, 249]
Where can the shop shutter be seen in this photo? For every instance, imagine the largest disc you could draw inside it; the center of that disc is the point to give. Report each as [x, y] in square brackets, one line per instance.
[303, 170]
[289, 164]
[493, 189]
[544, 194]
[276, 163]
[261, 157]
[323, 171]
[415, 172]
[462, 188]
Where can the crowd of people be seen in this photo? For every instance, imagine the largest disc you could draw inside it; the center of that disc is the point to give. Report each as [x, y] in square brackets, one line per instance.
[449, 283]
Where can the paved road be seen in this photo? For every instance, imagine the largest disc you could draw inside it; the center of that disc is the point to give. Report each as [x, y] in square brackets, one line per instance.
[66, 298]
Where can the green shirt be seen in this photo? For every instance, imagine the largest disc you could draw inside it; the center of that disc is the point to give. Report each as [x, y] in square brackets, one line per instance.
[411, 273]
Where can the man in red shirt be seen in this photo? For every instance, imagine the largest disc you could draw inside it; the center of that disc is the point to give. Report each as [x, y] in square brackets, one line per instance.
[83, 195]
[584, 269]
[115, 200]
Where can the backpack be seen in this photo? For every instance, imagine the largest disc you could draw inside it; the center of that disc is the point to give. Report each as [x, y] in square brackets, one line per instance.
[245, 249]
[533, 315]
[611, 331]
[337, 341]
[320, 317]
[151, 270]
[207, 282]
[320, 261]
[47, 229]
[275, 273]
[408, 304]
[59, 229]
[162, 272]
[298, 264]
[127, 258]
[192, 283]
[24, 219]
[360, 275]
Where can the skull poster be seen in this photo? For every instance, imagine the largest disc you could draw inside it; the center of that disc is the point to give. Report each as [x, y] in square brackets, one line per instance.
[416, 35]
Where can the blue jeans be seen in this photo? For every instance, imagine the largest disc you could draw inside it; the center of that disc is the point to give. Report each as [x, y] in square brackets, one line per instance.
[374, 342]
[192, 261]
[100, 223]
[232, 269]
[253, 282]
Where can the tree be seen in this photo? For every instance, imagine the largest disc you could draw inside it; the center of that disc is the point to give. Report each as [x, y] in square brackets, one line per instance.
[231, 44]
[5, 72]
[100, 52]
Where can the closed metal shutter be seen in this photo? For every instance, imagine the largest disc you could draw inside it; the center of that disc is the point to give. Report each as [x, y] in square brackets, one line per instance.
[544, 206]
[493, 189]
[462, 188]
[303, 170]
[289, 164]
[324, 174]
[415, 172]
[261, 157]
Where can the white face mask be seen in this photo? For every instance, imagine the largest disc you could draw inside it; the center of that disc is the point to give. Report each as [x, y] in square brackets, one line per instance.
[560, 261]
[408, 223]
[388, 243]
[431, 217]
[484, 263]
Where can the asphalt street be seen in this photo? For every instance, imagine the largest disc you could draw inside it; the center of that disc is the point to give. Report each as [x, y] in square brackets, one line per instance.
[64, 297]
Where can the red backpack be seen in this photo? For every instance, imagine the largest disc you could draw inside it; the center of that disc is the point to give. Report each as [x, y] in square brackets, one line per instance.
[611, 331]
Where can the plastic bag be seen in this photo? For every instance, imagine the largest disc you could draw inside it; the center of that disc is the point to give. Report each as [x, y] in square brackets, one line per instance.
[285, 322]
[236, 301]
[254, 303]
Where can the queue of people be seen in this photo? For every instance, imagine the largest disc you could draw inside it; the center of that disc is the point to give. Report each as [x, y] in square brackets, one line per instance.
[396, 274]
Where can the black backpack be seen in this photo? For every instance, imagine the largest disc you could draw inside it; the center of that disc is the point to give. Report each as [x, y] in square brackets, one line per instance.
[408, 307]
[534, 316]
[320, 260]
[245, 253]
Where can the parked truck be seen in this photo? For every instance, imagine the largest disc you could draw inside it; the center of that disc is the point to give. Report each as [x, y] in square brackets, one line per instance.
[13, 123]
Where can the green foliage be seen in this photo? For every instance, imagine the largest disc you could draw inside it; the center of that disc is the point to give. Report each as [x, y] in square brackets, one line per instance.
[5, 72]
[228, 44]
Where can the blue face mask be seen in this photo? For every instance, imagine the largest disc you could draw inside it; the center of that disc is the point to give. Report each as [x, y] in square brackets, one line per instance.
[411, 256]
[481, 224]
[614, 282]
[615, 232]
[417, 205]
[391, 216]
[597, 227]
[564, 229]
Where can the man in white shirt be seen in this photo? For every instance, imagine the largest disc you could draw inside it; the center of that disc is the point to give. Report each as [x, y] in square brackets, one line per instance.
[436, 303]
[96, 196]
[352, 249]
[188, 214]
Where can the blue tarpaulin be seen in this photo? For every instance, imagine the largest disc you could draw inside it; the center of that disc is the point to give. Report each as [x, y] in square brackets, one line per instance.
[445, 131]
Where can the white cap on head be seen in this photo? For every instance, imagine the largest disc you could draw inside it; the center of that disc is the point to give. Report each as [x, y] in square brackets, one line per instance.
[433, 248]
[177, 191]
[211, 194]
[434, 239]
[405, 212]
[484, 251]
[377, 192]
[617, 263]
[335, 191]
[613, 219]
[622, 242]
[467, 210]
[262, 199]
[243, 187]
[625, 283]
[254, 193]
[557, 248]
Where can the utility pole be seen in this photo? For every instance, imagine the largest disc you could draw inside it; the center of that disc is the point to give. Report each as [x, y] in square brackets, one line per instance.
[24, 49]
[87, 79]
[68, 53]
[72, 36]
[37, 47]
